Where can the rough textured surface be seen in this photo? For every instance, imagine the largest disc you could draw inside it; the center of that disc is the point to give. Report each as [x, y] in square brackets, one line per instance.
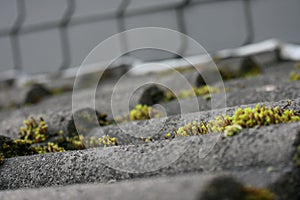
[266, 146]
[162, 169]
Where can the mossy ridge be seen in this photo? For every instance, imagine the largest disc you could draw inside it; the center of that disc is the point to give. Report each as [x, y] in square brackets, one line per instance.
[242, 118]
[34, 139]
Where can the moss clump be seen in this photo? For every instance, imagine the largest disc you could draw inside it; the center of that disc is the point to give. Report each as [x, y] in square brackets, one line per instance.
[34, 131]
[35, 139]
[11, 148]
[226, 187]
[253, 193]
[242, 118]
[294, 76]
[204, 91]
[49, 148]
[80, 142]
[198, 91]
[232, 130]
[191, 129]
[2, 158]
[142, 112]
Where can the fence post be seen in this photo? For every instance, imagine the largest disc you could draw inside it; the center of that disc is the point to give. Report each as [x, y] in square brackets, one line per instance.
[121, 23]
[249, 22]
[181, 25]
[64, 34]
[14, 35]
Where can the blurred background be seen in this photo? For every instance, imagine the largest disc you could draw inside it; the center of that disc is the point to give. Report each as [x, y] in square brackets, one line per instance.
[38, 36]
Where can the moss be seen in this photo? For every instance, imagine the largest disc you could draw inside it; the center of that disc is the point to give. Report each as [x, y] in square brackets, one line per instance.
[191, 129]
[226, 187]
[294, 76]
[253, 193]
[60, 90]
[297, 65]
[140, 112]
[147, 139]
[105, 141]
[242, 118]
[2, 158]
[232, 130]
[204, 91]
[11, 148]
[198, 91]
[35, 139]
[49, 148]
[34, 131]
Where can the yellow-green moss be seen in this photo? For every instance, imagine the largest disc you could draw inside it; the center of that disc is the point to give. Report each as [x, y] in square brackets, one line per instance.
[2, 158]
[105, 140]
[140, 112]
[198, 91]
[204, 91]
[242, 118]
[34, 138]
[294, 76]
[232, 130]
[49, 148]
[34, 131]
[253, 193]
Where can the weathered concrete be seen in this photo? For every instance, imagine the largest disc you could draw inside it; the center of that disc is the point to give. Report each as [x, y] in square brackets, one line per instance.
[263, 147]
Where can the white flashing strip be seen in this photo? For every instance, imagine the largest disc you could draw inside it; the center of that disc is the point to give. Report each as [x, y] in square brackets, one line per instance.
[288, 52]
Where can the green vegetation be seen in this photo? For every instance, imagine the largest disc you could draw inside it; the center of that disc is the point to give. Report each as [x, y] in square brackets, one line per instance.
[253, 193]
[294, 76]
[143, 112]
[140, 112]
[198, 91]
[297, 65]
[204, 91]
[35, 139]
[1, 158]
[242, 118]
[226, 187]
